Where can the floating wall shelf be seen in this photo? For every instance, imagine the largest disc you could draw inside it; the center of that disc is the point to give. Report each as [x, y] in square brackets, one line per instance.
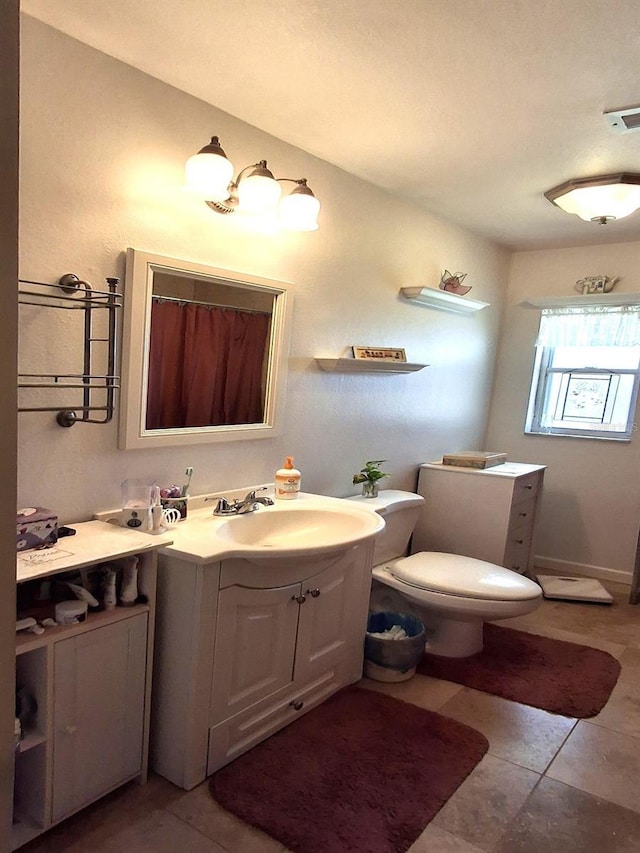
[442, 299]
[362, 365]
[580, 301]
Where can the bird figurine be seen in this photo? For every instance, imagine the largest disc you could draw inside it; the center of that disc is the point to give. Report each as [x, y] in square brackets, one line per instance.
[452, 282]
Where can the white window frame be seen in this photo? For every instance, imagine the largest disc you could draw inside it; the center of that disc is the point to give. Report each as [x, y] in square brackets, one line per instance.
[542, 376]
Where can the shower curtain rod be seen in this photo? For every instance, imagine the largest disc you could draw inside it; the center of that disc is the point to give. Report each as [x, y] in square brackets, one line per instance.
[159, 298]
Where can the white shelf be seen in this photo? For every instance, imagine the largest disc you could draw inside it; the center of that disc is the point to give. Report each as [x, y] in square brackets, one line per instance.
[362, 365]
[442, 300]
[580, 301]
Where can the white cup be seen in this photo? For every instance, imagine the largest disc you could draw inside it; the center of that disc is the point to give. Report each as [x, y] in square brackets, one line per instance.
[170, 516]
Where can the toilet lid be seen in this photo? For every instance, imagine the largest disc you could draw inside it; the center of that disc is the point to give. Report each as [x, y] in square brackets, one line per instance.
[453, 574]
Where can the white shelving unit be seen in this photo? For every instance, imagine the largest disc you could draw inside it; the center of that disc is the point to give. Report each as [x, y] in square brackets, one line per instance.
[88, 686]
[362, 365]
[442, 300]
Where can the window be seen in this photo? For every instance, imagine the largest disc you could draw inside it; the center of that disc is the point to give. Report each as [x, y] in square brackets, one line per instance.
[586, 372]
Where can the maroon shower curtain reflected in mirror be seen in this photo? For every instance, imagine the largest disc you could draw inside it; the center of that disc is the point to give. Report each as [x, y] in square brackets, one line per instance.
[206, 366]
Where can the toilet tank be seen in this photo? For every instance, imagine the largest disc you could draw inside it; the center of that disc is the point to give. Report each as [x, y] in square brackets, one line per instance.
[400, 511]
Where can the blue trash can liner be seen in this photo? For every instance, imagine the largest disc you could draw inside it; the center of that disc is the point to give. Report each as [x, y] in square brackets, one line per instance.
[394, 654]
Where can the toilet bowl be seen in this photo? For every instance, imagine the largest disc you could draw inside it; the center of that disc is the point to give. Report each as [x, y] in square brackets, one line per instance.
[452, 595]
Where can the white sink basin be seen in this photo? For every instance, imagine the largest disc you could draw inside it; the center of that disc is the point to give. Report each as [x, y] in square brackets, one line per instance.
[293, 530]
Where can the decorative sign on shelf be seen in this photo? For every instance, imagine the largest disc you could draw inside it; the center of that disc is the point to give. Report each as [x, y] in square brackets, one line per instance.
[379, 354]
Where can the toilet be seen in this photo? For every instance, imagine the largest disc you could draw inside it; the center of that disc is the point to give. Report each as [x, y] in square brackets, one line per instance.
[451, 594]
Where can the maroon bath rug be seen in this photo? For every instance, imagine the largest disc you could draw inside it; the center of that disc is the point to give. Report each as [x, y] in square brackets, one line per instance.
[362, 772]
[564, 678]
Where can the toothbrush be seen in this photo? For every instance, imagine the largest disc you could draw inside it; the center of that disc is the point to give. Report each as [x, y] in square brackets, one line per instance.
[185, 488]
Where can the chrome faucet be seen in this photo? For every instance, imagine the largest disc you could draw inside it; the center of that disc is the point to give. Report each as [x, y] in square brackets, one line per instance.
[249, 503]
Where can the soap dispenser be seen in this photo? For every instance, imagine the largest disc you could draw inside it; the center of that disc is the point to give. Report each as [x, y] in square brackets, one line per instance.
[287, 481]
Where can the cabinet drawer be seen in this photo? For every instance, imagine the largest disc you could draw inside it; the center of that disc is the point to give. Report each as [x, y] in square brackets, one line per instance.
[231, 738]
[526, 487]
[522, 513]
[518, 549]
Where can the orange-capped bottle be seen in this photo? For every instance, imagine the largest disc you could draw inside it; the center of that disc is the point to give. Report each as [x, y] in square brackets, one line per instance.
[287, 481]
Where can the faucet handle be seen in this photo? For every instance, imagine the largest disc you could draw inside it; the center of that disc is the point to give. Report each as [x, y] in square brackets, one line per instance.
[221, 507]
[251, 496]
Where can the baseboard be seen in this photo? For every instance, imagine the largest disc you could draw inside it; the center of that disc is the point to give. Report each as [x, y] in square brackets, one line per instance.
[566, 567]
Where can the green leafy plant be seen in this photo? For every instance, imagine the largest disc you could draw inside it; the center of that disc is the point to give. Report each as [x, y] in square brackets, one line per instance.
[370, 473]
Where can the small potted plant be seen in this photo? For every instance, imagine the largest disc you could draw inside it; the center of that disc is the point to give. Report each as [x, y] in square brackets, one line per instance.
[369, 476]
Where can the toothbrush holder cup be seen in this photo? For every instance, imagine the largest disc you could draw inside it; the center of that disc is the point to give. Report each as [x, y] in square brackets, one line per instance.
[180, 504]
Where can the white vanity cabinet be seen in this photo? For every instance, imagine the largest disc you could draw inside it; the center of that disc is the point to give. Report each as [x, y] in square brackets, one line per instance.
[91, 682]
[244, 647]
[488, 514]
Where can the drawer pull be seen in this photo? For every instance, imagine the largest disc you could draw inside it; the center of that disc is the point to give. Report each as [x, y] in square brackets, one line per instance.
[523, 514]
[299, 598]
[314, 593]
[297, 704]
[519, 541]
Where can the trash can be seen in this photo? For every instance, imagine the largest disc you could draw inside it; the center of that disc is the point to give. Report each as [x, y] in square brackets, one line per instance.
[393, 659]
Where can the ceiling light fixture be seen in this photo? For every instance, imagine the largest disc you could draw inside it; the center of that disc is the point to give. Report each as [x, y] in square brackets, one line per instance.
[600, 199]
[255, 190]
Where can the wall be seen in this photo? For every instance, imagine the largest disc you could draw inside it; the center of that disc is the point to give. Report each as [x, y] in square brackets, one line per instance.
[9, 65]
[103, 148]
[591, 506]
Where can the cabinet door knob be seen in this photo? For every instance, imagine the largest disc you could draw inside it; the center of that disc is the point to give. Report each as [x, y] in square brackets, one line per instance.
[70, 730]
[314, 593]
[523, 514]
[519, 541]
[528, 486]
[299, 598]
[297, 704]
[516, 568]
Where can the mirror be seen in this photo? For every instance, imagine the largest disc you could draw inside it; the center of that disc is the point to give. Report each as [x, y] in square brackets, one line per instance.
[203, 353]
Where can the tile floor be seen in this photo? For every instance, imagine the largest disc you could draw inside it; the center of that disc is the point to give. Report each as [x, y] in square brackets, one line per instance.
[547, 784]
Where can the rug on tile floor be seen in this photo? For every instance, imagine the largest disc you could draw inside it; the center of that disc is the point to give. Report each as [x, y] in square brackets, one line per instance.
[361, 772]
[564, 678]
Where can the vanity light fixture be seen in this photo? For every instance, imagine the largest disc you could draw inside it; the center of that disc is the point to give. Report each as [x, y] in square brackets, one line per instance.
[600, 199]
[255, 190]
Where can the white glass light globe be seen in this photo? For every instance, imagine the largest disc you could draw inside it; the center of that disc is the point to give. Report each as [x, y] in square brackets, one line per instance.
[608, 200]
[299, 212]
[209, 175]
[258, 193]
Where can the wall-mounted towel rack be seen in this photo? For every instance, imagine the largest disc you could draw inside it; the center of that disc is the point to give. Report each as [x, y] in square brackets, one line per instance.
[72, 293]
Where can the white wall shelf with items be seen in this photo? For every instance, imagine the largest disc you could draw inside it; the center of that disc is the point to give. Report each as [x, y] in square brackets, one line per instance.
[358, 365]
[586, 301]
[442, 300]
[83, 690]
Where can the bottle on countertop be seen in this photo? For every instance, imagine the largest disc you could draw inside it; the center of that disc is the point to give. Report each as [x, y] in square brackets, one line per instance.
[287, 481]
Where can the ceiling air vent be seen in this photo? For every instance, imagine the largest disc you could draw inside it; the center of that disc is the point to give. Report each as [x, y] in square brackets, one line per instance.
[623, 121]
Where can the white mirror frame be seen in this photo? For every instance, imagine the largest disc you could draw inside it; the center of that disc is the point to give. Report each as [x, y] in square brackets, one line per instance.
[133, 433]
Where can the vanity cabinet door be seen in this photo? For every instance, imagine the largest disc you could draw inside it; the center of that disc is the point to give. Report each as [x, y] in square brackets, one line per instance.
[254, 647]
[98, 712]
[332, 619]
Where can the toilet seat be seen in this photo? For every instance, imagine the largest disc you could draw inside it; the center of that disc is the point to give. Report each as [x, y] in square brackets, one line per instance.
[464, 577]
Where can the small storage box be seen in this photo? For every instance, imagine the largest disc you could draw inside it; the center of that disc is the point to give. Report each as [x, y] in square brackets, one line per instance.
[36, 527]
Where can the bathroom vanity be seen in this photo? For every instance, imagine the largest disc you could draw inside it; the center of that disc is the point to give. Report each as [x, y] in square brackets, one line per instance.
[488, 514]
[251, 636]
[88, 730]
